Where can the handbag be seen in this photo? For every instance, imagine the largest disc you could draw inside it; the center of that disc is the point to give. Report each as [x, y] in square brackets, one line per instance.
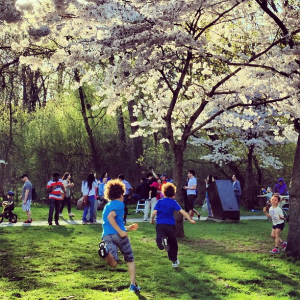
[205, 206]
[85, 200]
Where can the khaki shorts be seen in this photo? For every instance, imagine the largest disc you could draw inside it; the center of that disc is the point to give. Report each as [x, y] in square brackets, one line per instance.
[26, 207]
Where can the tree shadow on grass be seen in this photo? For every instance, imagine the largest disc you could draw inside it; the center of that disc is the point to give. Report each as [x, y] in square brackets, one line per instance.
[268, 273]
[18, 274]
[186, 283]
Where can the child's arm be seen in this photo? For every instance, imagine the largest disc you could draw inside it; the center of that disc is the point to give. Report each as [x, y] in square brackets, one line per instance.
[132, 227]
[153, 216]
[187, 216]
[26, 196]
[266, 212]
[111, 219]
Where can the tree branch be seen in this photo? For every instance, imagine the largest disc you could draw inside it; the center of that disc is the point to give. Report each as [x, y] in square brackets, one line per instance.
[234, 106]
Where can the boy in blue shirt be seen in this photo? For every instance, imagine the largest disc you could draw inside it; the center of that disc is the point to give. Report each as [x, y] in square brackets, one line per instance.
[114, 234]
[165, 222]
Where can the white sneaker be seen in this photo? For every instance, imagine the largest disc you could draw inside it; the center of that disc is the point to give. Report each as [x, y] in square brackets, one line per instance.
[61, 215]
[71, 215]
[165, 244]
[175, 264]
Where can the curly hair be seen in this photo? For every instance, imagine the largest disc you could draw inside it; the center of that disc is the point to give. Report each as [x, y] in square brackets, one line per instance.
[169, 189]
[114, 189]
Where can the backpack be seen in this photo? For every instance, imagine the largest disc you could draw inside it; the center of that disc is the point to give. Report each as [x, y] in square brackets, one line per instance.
[33, 193]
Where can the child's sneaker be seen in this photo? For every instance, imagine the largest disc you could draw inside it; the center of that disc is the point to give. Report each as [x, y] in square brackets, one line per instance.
[165, 244]
[274, 251]
[175, 264]
[134, 288]
[283, 245]
[103, 250]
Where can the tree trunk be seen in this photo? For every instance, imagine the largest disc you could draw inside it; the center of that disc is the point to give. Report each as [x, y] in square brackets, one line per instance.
[5, 168]
[24, 84]
[96, 160]
[249, 191]
[259, 172]
[121, 127]
[177, 176]
[137, 141]
[293, 248]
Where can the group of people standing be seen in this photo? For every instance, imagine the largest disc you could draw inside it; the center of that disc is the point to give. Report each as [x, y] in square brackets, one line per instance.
[59, 190]
[95, 189]
[150, 191]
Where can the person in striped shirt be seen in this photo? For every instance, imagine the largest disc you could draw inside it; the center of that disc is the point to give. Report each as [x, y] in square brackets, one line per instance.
[54, 188]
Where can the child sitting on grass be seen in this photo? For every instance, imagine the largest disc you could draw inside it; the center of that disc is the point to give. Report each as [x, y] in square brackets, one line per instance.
[114, 234]
[276, 214]
[165, 222]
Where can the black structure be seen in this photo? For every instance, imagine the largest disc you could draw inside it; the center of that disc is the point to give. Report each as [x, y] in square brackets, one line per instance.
[223, 201]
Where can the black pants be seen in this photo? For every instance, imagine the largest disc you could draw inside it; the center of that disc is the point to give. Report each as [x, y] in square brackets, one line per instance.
[54, 204]
[67, 200]
[163, 231]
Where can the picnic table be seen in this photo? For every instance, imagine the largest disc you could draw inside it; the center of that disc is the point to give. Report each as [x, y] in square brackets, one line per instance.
[262, 200]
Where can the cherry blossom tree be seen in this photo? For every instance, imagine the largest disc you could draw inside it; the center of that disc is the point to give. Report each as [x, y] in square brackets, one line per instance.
[191, 60]
[244, 136]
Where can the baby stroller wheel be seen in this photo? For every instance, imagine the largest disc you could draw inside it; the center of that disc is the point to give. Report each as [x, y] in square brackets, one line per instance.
[13, 218]
[286, 215]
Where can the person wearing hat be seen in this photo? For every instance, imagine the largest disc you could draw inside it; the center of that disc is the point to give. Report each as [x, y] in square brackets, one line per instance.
[26, 196]
[54, 188]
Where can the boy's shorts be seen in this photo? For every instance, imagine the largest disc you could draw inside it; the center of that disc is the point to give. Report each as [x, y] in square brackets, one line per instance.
[191, 201]
[114, 241]
[26, 207]
[279, 226]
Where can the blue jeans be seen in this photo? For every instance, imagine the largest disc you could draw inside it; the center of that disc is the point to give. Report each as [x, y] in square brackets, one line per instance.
[208, 207]
[90, 206]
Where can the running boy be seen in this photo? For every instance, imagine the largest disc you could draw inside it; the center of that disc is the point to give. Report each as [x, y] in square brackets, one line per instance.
[165, 222]
[114, 234]
[276, 214]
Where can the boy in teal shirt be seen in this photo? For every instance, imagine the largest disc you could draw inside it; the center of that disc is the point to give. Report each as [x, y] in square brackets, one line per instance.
[114, 234]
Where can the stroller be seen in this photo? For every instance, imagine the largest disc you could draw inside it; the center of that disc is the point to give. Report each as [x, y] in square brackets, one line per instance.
[8, 207]
[285, 206]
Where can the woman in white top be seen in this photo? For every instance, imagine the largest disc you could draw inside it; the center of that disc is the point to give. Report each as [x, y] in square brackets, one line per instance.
[67, 198]
[89, 188]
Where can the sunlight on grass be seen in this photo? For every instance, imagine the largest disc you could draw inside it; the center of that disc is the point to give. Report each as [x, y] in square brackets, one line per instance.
[218, 261]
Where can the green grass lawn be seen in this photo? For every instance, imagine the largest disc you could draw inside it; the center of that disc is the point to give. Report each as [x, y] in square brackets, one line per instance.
[218, 261]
